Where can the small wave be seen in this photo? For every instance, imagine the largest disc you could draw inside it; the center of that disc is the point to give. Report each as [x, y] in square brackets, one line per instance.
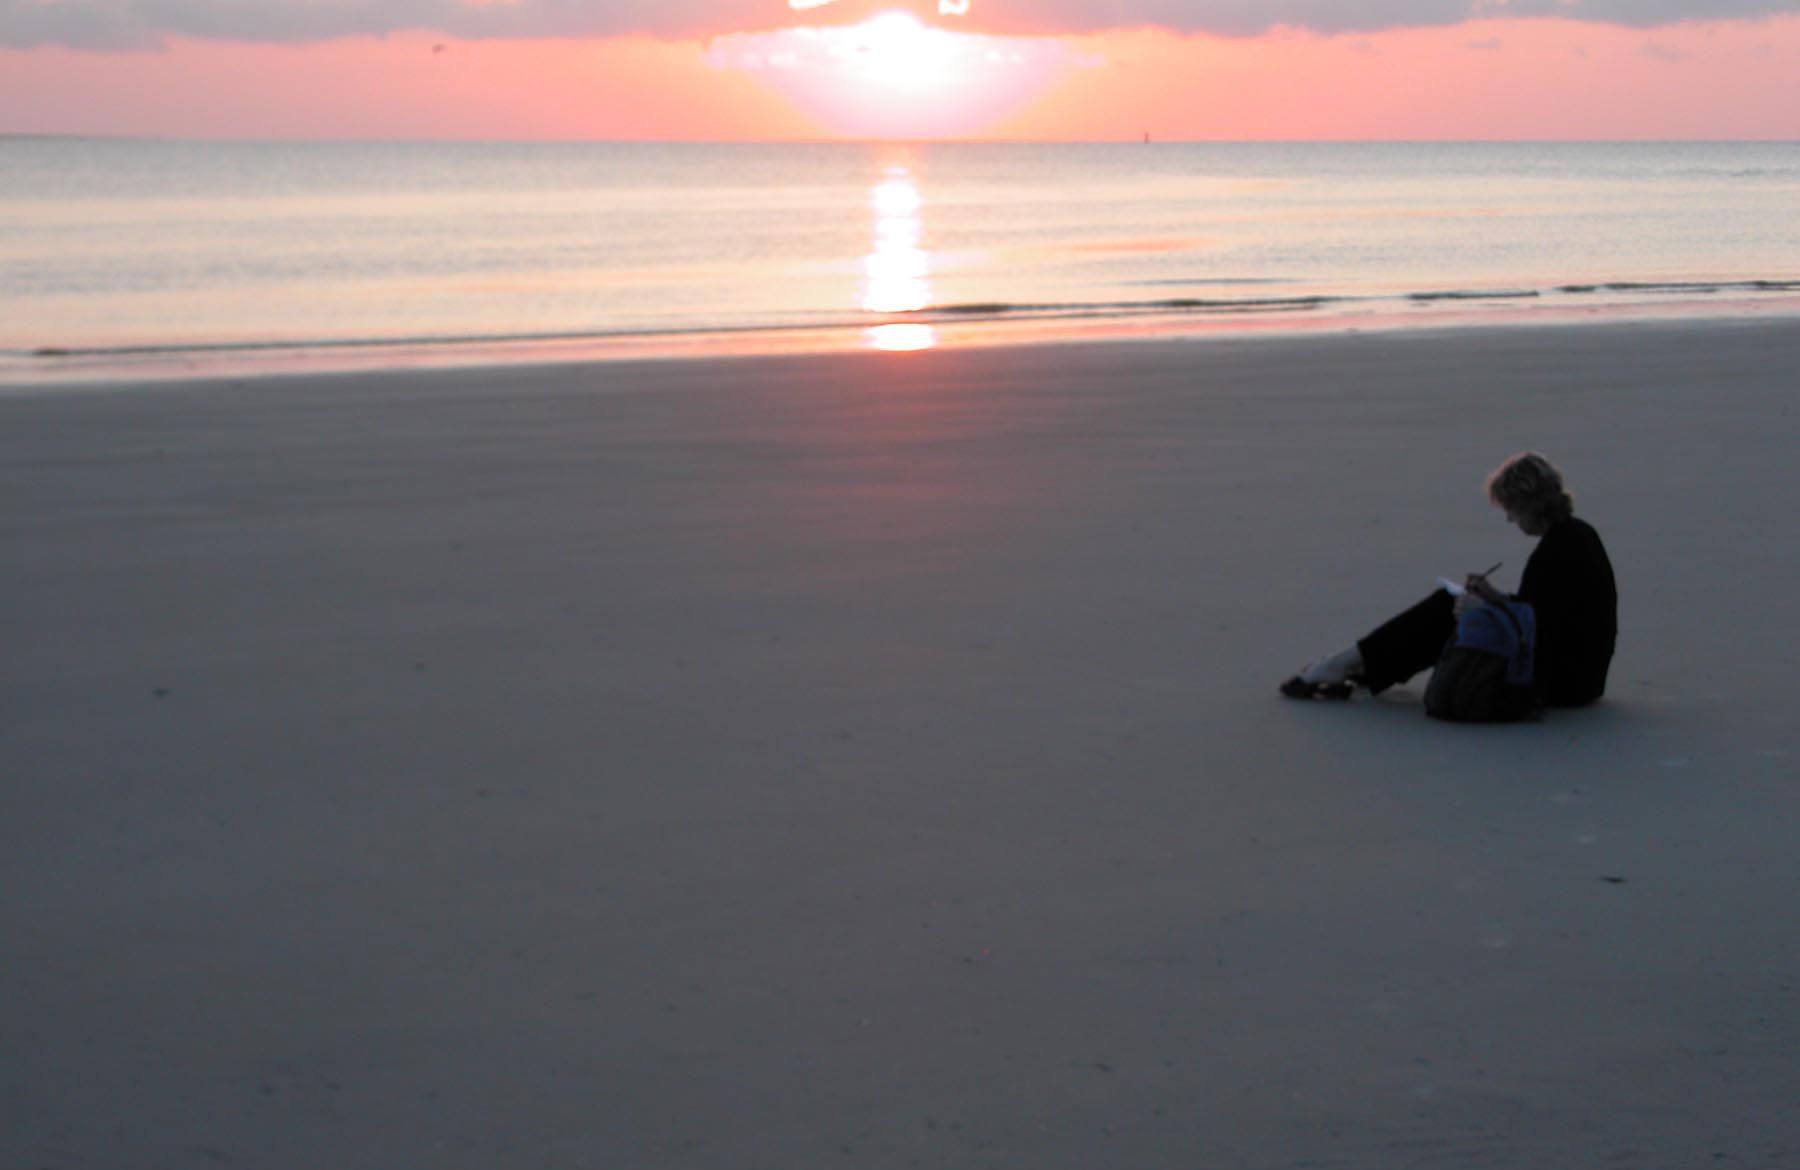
[1734, 173]
[422, 341]
[1206, 282]
[1123, 308]
[964, 311]
[980, 309]
[1705, 287]
[1251, 304]
[1474, 294]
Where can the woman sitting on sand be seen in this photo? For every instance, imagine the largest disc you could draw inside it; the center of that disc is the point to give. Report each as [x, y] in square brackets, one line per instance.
[1568, 581]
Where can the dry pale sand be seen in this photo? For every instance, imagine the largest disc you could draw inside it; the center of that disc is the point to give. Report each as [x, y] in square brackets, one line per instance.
[875, 761]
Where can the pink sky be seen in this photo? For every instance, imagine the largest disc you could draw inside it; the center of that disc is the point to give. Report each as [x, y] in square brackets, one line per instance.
[1515, 78]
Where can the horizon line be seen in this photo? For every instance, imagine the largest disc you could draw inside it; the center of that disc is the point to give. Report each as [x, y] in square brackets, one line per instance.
[1136, 138]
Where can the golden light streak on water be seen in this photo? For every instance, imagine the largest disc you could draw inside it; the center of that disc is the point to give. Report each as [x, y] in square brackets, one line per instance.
[897, 268]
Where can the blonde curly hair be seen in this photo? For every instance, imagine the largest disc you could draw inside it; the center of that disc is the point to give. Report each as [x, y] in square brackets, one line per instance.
[1529, 486]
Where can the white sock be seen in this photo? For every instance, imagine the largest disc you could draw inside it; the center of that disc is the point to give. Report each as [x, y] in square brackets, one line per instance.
[1334, 668]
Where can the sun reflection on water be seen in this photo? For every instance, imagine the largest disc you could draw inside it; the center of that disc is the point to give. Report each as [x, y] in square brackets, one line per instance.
[897, 270]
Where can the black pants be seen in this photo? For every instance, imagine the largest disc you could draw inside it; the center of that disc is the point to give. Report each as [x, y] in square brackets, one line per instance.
[1410, 642]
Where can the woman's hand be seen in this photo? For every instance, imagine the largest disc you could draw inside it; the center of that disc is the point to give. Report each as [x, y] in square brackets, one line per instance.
[1479, 589]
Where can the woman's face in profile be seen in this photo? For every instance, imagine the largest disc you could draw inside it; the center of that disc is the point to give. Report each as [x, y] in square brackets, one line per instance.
[1526, 524]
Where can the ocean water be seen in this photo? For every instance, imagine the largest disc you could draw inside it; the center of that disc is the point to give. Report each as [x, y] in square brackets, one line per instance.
[115, 254]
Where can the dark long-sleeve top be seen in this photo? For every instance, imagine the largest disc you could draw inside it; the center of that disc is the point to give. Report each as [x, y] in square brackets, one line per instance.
[1569, 582]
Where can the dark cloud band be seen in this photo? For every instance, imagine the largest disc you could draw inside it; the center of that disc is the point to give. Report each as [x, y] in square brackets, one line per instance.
[122, 24]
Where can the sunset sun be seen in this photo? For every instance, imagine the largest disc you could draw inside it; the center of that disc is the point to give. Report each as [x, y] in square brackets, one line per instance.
[894, 76]
[893, 49]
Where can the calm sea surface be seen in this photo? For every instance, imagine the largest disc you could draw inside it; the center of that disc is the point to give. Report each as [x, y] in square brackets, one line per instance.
[121, 252]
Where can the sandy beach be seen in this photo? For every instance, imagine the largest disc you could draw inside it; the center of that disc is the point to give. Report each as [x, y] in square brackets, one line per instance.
[874, 760]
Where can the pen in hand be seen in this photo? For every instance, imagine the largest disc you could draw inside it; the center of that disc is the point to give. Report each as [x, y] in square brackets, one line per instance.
[1478, 583]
